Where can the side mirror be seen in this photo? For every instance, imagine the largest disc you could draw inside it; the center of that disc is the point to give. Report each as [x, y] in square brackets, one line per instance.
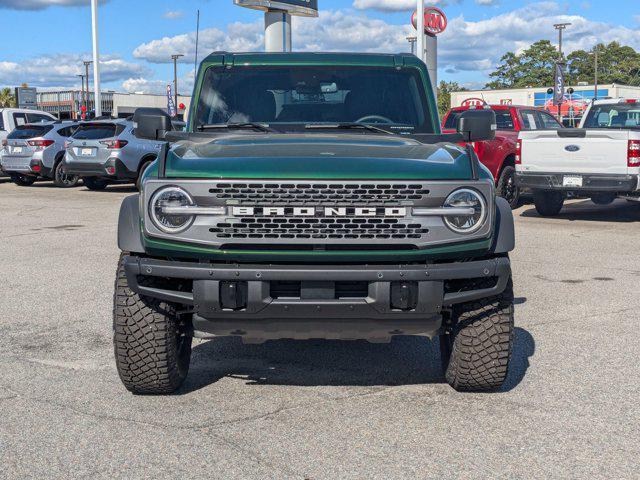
[151, 123]
[477, 125]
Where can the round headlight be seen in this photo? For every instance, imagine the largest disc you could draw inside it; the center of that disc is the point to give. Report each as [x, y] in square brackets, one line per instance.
[470, 199]
[170, 197]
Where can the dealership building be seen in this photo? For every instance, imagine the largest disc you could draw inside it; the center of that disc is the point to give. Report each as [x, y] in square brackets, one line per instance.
[67, 104]
[574, 103]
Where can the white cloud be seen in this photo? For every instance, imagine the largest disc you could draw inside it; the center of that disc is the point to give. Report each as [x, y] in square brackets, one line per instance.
[62, 70]
[174, 14]
[466, 46]
[397, 5]
[487, 3]
[42, 4]
[146, 85]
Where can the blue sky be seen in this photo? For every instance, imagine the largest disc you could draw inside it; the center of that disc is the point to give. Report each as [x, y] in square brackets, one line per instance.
[44, 41]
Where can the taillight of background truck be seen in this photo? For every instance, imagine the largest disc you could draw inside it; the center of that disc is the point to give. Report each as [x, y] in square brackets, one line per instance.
[519, 152]
[633, 153]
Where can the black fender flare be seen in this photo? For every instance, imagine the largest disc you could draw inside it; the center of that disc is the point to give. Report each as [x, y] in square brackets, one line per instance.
[129, 225]
[505, 237]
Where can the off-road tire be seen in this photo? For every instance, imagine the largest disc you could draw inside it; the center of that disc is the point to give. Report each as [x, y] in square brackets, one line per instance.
[144, 166]
[477, 348]
[23, 180]
[507, 188]
[152, 349]
[62, 180]
[95, 184]
[548, 202]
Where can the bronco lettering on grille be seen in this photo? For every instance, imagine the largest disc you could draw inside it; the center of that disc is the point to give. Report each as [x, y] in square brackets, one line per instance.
[322, 211]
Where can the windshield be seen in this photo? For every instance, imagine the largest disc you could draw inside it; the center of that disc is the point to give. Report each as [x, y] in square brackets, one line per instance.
[98, 131]
[25, 132]
[619, 115]
[290, 95]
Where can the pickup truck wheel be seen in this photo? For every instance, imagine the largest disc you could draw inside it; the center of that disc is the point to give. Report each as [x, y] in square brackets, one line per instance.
[62, 179]
[548, 203]
[23, 180]
[95, 183]
[603, 198]
[477, 348]
[152, 347]
[507, 187]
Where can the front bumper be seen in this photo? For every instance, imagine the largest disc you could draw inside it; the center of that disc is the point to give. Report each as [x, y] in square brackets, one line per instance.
[590, 182]
[317, 310]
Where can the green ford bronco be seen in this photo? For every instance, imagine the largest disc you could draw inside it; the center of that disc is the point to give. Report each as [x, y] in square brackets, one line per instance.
[313, 196]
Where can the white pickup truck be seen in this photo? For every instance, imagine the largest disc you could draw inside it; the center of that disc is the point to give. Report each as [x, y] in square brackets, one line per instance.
[599, 160]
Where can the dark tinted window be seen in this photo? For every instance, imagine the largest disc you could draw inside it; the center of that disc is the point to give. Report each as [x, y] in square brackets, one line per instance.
[305, 95]
[452, 120]
[98, 131]
[1, 121]
[37, 118]
[67, 131]
[620, 115]
[504, 120]
[29, 131]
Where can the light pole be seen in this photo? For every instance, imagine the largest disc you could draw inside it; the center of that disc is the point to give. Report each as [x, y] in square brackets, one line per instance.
[412, 41]
[595, 74]
[175, 77]
[86, 99]
[560, 27]
[82, 97]
[559, 70]
[96, 59]
[420, 44]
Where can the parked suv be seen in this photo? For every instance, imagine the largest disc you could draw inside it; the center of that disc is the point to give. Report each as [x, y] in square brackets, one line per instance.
[102, 152]
[37, 150]
[10, 118]
[499, 154]
[324, 204]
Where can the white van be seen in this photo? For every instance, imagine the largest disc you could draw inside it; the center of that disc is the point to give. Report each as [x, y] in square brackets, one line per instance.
[10, 118]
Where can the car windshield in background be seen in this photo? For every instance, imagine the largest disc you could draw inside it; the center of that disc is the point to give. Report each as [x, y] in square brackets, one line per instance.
[98, 131]
[622, 115]
[289, 95]
[29, 131]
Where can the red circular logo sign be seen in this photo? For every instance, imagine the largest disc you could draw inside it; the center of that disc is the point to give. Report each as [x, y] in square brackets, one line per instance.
[435, 21]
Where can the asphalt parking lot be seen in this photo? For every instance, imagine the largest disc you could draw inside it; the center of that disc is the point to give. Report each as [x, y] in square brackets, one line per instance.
[317, 409]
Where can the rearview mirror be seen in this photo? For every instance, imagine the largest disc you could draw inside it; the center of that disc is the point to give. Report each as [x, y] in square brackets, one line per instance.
[151, 123]
[477, 125]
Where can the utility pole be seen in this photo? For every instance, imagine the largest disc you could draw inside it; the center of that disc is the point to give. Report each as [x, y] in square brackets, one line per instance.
[96, 59]
[595, 55]
[412, 41]
[175, 76]
[86, 99]
[82, 100]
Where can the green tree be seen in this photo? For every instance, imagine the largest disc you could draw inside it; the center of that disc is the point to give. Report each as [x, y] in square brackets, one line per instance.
[531, 68]
[444, 95]
[616, 64]
[6, 98]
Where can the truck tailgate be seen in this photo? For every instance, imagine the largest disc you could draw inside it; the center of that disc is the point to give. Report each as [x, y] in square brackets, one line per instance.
[575, 151]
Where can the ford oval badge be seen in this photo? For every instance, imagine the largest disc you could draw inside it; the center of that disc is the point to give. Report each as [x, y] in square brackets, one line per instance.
[572, 148]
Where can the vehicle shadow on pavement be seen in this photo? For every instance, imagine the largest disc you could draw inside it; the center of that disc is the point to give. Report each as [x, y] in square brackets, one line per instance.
[405, 361]
[620, 211]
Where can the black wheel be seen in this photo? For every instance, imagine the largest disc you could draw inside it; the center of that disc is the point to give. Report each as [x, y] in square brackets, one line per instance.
[62, 179]
[548, 203]
[152, 347]
[476, 349]
[603, 198]
[507, 187]
[95, 183]
[23, 180]
[144, 166]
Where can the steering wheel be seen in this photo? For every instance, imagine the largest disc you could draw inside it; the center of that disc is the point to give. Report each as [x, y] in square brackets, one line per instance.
[374, 119]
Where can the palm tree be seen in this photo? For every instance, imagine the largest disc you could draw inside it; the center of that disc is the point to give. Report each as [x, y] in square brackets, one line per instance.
[6, 98]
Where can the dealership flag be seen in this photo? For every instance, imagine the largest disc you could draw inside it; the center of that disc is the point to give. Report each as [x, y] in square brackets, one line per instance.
[171, 104]
[558, 91]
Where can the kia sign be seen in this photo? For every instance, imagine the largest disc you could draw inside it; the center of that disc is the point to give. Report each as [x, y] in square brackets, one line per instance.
[435, 21]
[303, 8]
[473, 102]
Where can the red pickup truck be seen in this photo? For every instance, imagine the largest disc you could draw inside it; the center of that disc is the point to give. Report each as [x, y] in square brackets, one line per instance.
[499, 155]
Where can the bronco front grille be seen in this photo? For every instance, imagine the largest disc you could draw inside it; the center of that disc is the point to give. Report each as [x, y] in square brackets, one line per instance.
[318, 193]
[319, 228]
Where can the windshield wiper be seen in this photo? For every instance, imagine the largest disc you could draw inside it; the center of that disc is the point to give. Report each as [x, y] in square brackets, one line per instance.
[347, 126]
[236, 126]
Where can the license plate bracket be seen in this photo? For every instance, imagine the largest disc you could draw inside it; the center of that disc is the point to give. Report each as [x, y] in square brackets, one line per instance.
[572, 181]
